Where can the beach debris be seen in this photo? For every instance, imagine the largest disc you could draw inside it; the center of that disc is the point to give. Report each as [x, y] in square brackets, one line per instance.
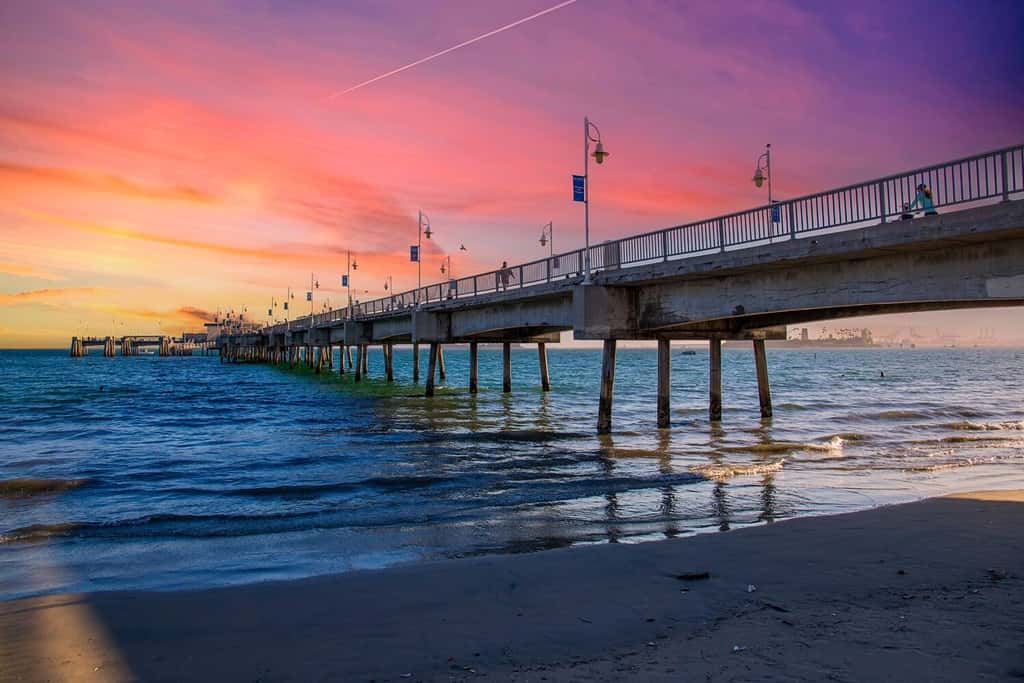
[408, 675]
[771, 605]
[751, 588]
[651, 643]
[694, 576]
[738, 648]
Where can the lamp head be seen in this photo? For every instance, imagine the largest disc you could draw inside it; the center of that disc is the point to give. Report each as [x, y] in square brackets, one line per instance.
[758, 178]
[355, 265]
[427, 233]
[543, 239]
[600, 153]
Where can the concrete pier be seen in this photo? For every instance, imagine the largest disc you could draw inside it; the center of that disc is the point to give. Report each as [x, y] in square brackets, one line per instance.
[604, 408]
[715, 379]
[664, 383]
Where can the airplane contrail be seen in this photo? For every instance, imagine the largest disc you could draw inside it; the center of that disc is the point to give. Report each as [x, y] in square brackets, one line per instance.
[450, 49]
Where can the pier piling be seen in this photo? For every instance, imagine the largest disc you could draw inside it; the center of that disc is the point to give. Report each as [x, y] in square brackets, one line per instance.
[440, 363]
[764, 392]
[542, 357]
[604, 408]
[389, 362]
[506, 367]
[416, 363]
[473, 355]
[359, 363]
[432, 367]
[715, 379]
[664, 383]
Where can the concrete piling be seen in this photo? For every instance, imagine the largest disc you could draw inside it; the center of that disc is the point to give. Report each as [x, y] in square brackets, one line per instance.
[440, 363]
[715, 379]
[764, 392]
[365, 353]
[473, 355]
[389, 362]
[542, 357]
[432, 367]
[604, 408]
[664, 382]
[506, 367]
[416, 363]
[360, 350]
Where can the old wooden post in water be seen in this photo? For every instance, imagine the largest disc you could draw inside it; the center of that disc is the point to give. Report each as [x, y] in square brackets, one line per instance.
[432, 368]
[664, 382]
[764, 392]
[473, 355]
[542, 357]
[604, 407]
[506, 367]
[715, 379]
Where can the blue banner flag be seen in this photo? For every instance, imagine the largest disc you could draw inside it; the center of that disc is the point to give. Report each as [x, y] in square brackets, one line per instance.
[309, 296]
[579, 188]
[776, 214]
[344, 280]
[414, 253]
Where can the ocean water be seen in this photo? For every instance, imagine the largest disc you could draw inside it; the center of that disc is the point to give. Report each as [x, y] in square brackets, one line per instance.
[172, 473]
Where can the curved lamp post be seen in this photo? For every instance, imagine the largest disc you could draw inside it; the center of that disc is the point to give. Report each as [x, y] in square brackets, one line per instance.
[591, 133]
[547, 236]
[763, 170]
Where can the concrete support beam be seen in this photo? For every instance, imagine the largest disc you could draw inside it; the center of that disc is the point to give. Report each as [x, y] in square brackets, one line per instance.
[432, 368]
[604, 408]
[764, 392]
[664, 383]
[473, 355]
[604, 312]
[506, 367]
[715, 379]
[542, 358]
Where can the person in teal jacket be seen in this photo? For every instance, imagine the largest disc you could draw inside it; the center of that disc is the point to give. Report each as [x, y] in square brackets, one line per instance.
[925, 200]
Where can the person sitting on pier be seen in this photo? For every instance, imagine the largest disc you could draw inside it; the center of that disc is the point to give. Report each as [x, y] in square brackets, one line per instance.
[925, 200]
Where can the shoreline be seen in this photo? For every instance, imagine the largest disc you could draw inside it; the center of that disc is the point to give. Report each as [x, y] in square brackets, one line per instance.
[928, 590]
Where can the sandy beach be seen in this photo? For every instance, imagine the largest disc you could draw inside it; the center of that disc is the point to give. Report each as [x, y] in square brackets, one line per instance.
[932, 590]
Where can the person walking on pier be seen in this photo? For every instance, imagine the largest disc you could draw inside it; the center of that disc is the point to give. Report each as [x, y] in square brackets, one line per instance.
[925, 200]
[504, 275]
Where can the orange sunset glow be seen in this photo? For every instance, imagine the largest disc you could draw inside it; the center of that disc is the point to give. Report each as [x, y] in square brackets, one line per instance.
[160, 163]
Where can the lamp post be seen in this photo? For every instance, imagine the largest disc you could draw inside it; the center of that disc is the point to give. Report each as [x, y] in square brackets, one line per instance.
[547, 236]
[763, 170]
[313, 284]
[446, 266]
[352, 264]
[424, 222]
[289, 295]
[599, 157]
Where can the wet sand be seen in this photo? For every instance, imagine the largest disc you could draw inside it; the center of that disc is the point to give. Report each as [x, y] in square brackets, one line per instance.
[932, 590]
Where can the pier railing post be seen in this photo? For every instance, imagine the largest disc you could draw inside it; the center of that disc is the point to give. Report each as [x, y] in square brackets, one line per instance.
[473, 356]
[604, 408]
[506, 367]
[764, 392]
[881, 201]
[431, 368]
[664, 382]
[542, 357]
[1005, 176]
[715, 379]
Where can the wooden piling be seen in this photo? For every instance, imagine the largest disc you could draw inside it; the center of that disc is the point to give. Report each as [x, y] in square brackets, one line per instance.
[473, 354]
[318, 364]
[764, 392]
[542, 357]
[440, 362]
[664, 382]
[715, 375]
[506, 367]
[604, 408]
[359, 362]
[416, 363]
[330, 356]
[389, 362]
[432, 367]
[366, 359]
[341, 360]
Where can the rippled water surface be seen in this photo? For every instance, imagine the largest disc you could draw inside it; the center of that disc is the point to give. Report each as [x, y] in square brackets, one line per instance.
[153, 472]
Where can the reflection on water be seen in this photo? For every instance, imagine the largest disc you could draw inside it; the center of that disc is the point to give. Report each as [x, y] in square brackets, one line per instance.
[148, 472]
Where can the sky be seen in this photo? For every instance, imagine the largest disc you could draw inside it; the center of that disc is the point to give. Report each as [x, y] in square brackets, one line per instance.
[163, 161]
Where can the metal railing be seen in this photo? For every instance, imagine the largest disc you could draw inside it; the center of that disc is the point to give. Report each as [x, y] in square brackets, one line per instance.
[972, 180]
